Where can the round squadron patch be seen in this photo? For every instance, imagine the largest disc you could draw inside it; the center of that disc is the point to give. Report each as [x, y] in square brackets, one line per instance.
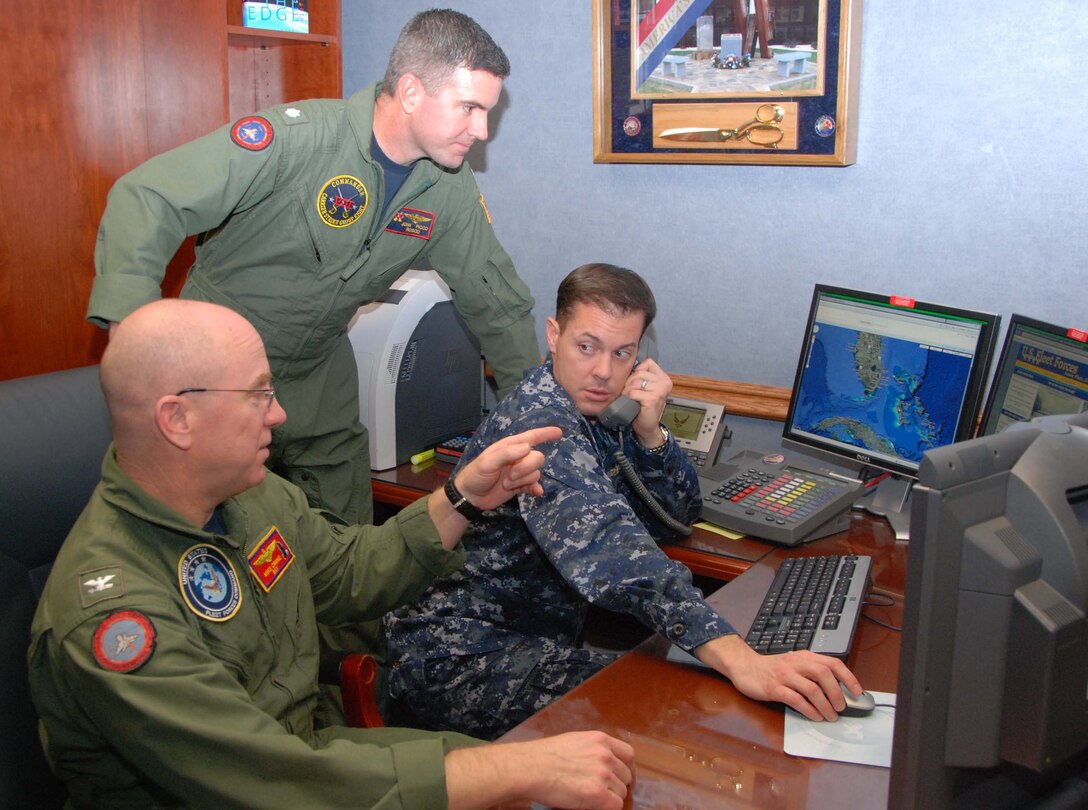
[253, 133]
[209, 584]
[124, 641]
[342, 201]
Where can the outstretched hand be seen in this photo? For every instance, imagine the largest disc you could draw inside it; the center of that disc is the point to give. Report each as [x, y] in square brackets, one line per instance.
[803, 680]
[507, 467]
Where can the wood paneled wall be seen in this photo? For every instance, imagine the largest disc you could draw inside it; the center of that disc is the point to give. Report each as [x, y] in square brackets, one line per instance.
[89, 90]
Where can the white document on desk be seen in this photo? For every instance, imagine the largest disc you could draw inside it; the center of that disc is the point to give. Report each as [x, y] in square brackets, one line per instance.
[861, 740]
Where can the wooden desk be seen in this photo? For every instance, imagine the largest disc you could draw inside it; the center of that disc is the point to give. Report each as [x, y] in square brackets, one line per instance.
[402, 485]
[705, 553]
[699, 743]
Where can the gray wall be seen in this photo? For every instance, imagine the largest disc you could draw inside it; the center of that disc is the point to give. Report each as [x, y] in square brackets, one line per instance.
[969, 188]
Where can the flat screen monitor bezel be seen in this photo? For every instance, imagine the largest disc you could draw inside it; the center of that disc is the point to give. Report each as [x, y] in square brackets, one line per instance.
[1060, 334]
[973, 395]
[992, 574]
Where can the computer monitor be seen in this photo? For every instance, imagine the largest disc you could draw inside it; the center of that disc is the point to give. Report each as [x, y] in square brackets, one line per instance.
[881, 379]
[992, 695]
[1042, 370]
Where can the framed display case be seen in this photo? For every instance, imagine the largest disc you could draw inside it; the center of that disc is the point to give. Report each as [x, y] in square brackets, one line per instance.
[770, 82]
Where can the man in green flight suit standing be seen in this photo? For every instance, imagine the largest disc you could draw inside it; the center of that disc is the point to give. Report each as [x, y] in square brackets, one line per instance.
[308, 210]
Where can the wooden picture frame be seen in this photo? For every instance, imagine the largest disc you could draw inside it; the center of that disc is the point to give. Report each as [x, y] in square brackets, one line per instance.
[664, 93]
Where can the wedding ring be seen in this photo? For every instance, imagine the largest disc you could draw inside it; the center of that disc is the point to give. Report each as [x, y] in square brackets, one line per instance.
[643, 386]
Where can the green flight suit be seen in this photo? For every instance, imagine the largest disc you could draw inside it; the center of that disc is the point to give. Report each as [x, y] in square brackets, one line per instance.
[218, 711]
[296, 236]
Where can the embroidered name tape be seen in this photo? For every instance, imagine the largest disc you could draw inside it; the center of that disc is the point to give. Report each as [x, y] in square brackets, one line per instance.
[412, 222]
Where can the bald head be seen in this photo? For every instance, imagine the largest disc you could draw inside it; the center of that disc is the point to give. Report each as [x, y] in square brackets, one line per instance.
[188, 388]
[162, 348]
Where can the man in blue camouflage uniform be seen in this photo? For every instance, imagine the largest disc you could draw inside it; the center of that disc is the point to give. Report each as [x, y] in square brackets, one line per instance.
[489, 645]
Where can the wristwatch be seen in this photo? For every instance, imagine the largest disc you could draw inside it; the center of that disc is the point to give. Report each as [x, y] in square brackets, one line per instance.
[460, 503]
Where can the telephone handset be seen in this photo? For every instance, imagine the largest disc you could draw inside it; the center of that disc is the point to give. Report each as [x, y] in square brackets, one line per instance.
[619, 414]
[622, 411]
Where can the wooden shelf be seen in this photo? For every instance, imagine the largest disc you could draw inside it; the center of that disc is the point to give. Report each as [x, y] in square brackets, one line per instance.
[265, 68]
[239, 34]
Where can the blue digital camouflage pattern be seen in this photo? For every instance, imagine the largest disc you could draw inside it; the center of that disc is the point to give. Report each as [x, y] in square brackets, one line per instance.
[479, 652]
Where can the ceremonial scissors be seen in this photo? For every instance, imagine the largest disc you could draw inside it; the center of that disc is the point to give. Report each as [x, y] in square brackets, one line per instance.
[763, 130]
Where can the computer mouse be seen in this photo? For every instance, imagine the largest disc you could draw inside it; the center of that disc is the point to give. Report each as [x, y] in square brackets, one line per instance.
[857, 706]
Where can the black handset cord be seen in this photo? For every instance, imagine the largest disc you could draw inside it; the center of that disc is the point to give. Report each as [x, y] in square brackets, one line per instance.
[645, 495]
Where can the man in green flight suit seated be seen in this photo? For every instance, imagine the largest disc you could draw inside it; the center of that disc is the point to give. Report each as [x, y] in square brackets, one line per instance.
[174, 653]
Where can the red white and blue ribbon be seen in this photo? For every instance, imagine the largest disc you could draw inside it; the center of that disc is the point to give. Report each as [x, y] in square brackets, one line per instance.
[661, 30]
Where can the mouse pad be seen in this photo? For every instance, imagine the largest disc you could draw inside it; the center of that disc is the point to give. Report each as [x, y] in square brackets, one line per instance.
[861, 740]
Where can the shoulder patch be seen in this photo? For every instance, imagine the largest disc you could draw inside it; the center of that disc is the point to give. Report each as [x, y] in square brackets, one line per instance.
[270, 559]
[412, 222]
[100, 584]
[252, 132]
[124, 641]
[209, 584]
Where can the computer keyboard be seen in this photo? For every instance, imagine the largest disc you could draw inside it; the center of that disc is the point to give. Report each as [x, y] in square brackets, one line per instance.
[814, 603]
[451, 450]
[762, 495]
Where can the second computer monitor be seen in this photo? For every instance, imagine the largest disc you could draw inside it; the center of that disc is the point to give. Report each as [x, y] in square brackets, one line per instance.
[882, 379]
[1043, 371]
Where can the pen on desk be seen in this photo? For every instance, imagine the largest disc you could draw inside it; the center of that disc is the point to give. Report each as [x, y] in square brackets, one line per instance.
[872, 482]
[419, 458]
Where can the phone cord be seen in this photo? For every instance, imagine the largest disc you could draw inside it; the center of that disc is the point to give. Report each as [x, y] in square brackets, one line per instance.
[645, 495]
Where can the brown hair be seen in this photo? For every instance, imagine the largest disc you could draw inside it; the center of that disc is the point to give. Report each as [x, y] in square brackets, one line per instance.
[616, 290]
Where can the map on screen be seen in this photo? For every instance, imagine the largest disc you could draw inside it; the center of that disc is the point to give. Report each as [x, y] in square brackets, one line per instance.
[882, 395]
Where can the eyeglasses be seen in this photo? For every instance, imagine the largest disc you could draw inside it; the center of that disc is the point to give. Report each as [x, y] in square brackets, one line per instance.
[268, 393]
